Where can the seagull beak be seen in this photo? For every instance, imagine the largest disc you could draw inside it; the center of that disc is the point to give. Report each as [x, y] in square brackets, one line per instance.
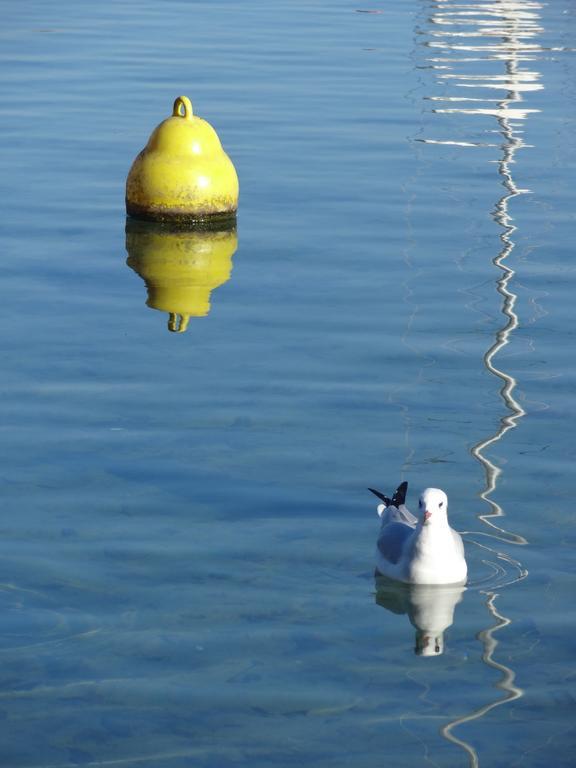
[427, 516]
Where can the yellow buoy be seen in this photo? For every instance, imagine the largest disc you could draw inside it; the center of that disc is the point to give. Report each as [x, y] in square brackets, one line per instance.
[182, 174]
[180, 267]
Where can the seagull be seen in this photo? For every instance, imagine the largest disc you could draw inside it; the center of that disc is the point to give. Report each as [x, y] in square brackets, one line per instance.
[421, 550]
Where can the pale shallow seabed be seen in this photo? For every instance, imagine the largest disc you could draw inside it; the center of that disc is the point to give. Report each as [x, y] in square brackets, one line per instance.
[186, 543]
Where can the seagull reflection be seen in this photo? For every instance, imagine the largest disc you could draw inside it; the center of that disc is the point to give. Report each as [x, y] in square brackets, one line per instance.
[430, 609]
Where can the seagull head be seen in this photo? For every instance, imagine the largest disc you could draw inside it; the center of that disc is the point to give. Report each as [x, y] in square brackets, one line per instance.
[428, 644]
[433, 506]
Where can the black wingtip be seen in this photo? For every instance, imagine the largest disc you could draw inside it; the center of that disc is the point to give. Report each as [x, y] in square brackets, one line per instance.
[381, 496]
[400, 494]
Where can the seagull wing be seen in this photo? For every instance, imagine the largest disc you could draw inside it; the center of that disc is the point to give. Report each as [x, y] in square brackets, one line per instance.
[392, 539]
[405, 516]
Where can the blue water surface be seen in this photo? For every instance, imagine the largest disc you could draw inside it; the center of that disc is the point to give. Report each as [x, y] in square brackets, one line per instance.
[186, 545]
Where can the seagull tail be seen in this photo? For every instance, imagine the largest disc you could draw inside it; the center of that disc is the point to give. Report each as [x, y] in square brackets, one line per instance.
[399, 497]
[381, 496]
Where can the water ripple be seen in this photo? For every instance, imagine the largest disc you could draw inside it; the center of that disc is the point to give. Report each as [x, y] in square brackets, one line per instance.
[504, 34]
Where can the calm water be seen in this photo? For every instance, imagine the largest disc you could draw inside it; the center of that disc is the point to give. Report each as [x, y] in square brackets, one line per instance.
[186, 539]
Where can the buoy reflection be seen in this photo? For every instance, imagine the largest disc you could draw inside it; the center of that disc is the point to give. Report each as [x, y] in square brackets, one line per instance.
[180, 267]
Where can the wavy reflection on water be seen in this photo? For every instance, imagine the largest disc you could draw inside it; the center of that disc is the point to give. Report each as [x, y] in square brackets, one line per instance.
[505, 684]
[514, 411]
[466, 43]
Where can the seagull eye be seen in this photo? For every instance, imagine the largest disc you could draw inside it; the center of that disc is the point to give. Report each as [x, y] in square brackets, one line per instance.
[441, 504]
